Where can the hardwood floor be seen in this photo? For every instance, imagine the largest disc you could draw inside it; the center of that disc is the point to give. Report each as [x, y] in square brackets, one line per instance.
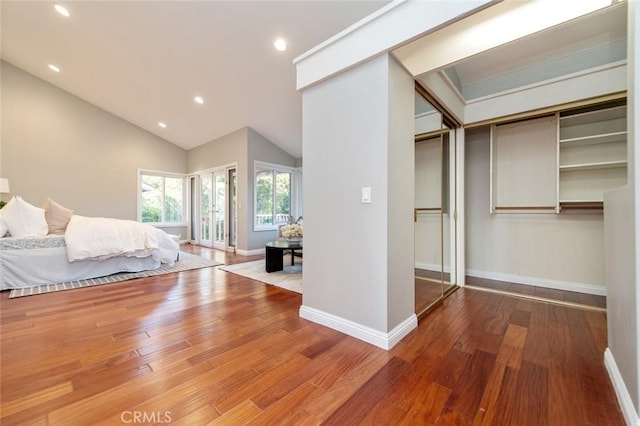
[429, 289]
[547, 293]
[207, 346]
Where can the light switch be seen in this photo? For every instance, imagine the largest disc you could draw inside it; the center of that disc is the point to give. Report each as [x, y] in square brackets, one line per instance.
[366, 194]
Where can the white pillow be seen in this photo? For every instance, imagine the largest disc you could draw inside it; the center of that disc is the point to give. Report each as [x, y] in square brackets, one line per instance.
[22, 218]
[3, 227]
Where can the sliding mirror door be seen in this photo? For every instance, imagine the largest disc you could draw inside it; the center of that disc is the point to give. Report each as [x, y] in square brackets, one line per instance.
[433, 218]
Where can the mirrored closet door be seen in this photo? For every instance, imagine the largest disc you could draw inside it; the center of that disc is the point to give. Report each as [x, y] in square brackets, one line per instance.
[433, 206]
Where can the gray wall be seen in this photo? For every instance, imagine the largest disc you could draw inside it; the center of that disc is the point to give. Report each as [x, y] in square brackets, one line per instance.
[348, 270]
[53, 144]
[231, 148]
[224, 150]
[243, 147]
[261, 149]
[400, 204]
[567, 248]
[56, 145]
[622, 211]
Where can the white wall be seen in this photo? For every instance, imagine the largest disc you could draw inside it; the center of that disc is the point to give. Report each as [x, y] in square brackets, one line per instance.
[565, 250]
[358, 264]
[56, 145]
[622, 212]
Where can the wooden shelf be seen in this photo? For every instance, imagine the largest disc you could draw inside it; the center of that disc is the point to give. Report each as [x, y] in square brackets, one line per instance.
[581, 205]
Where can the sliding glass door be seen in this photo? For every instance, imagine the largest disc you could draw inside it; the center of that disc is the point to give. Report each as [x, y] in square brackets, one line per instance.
[219, 210]
[206, 209]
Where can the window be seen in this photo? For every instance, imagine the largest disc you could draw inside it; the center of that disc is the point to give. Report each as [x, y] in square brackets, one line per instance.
[272, 195]
[161, 198]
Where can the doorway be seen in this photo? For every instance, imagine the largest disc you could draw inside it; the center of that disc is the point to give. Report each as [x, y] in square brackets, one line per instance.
[214, 208]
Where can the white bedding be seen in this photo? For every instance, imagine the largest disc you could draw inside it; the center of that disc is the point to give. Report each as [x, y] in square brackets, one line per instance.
[98, 238]
[40, 266]
[95, 247]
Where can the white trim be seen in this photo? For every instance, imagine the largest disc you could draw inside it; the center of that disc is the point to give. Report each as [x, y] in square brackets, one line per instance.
[624, 399]
[443, 90]
[163, 175]
[375, 337]
[160, 173]
[452, 86]
[435, 267]
[168, 224]
[540, 282]
[390, 27]
[604, 80]
[505, 21]
[274, 168]
[459, 214]
[565, 77]
[361, 23]
[249, 252]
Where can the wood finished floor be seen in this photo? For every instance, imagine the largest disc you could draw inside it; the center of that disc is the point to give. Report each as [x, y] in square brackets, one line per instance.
[207, 346]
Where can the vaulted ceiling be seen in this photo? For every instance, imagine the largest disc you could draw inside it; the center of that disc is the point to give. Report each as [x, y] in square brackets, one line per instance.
[145, 61]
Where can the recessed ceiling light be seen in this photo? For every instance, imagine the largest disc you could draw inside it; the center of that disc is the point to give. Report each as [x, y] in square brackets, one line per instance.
[61, 10]
[280, 44]
[198, 100]
[161, 124]
[54, 68]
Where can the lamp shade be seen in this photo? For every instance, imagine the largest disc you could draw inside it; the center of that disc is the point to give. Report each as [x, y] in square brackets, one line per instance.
[4, 186]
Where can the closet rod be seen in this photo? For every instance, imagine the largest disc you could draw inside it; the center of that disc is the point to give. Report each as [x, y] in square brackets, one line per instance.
[524, 208]
[424, 209]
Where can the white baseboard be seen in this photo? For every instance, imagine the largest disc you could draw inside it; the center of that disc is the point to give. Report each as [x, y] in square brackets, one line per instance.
[359, 331]
[431, 267]
[540, 282]
[249, 252]
[624, 399]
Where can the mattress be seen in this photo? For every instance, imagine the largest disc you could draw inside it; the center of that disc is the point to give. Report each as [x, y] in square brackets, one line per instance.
[32, 261]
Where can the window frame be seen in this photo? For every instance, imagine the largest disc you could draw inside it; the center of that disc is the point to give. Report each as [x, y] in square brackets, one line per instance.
[163, 175]
[274, 168]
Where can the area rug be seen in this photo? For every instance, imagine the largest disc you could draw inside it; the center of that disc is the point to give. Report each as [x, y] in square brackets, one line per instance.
[290, 278]
[187, 262]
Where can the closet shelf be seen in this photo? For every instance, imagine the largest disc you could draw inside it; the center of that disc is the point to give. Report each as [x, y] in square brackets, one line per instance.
[593, 166]
[595, 115]
[594, 139]
[581, 205]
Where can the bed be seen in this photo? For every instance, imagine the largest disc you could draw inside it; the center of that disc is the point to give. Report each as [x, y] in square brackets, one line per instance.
[87, 248]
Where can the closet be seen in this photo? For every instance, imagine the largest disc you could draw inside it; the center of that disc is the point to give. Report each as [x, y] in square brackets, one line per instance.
[592, 153]
[561, 161]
